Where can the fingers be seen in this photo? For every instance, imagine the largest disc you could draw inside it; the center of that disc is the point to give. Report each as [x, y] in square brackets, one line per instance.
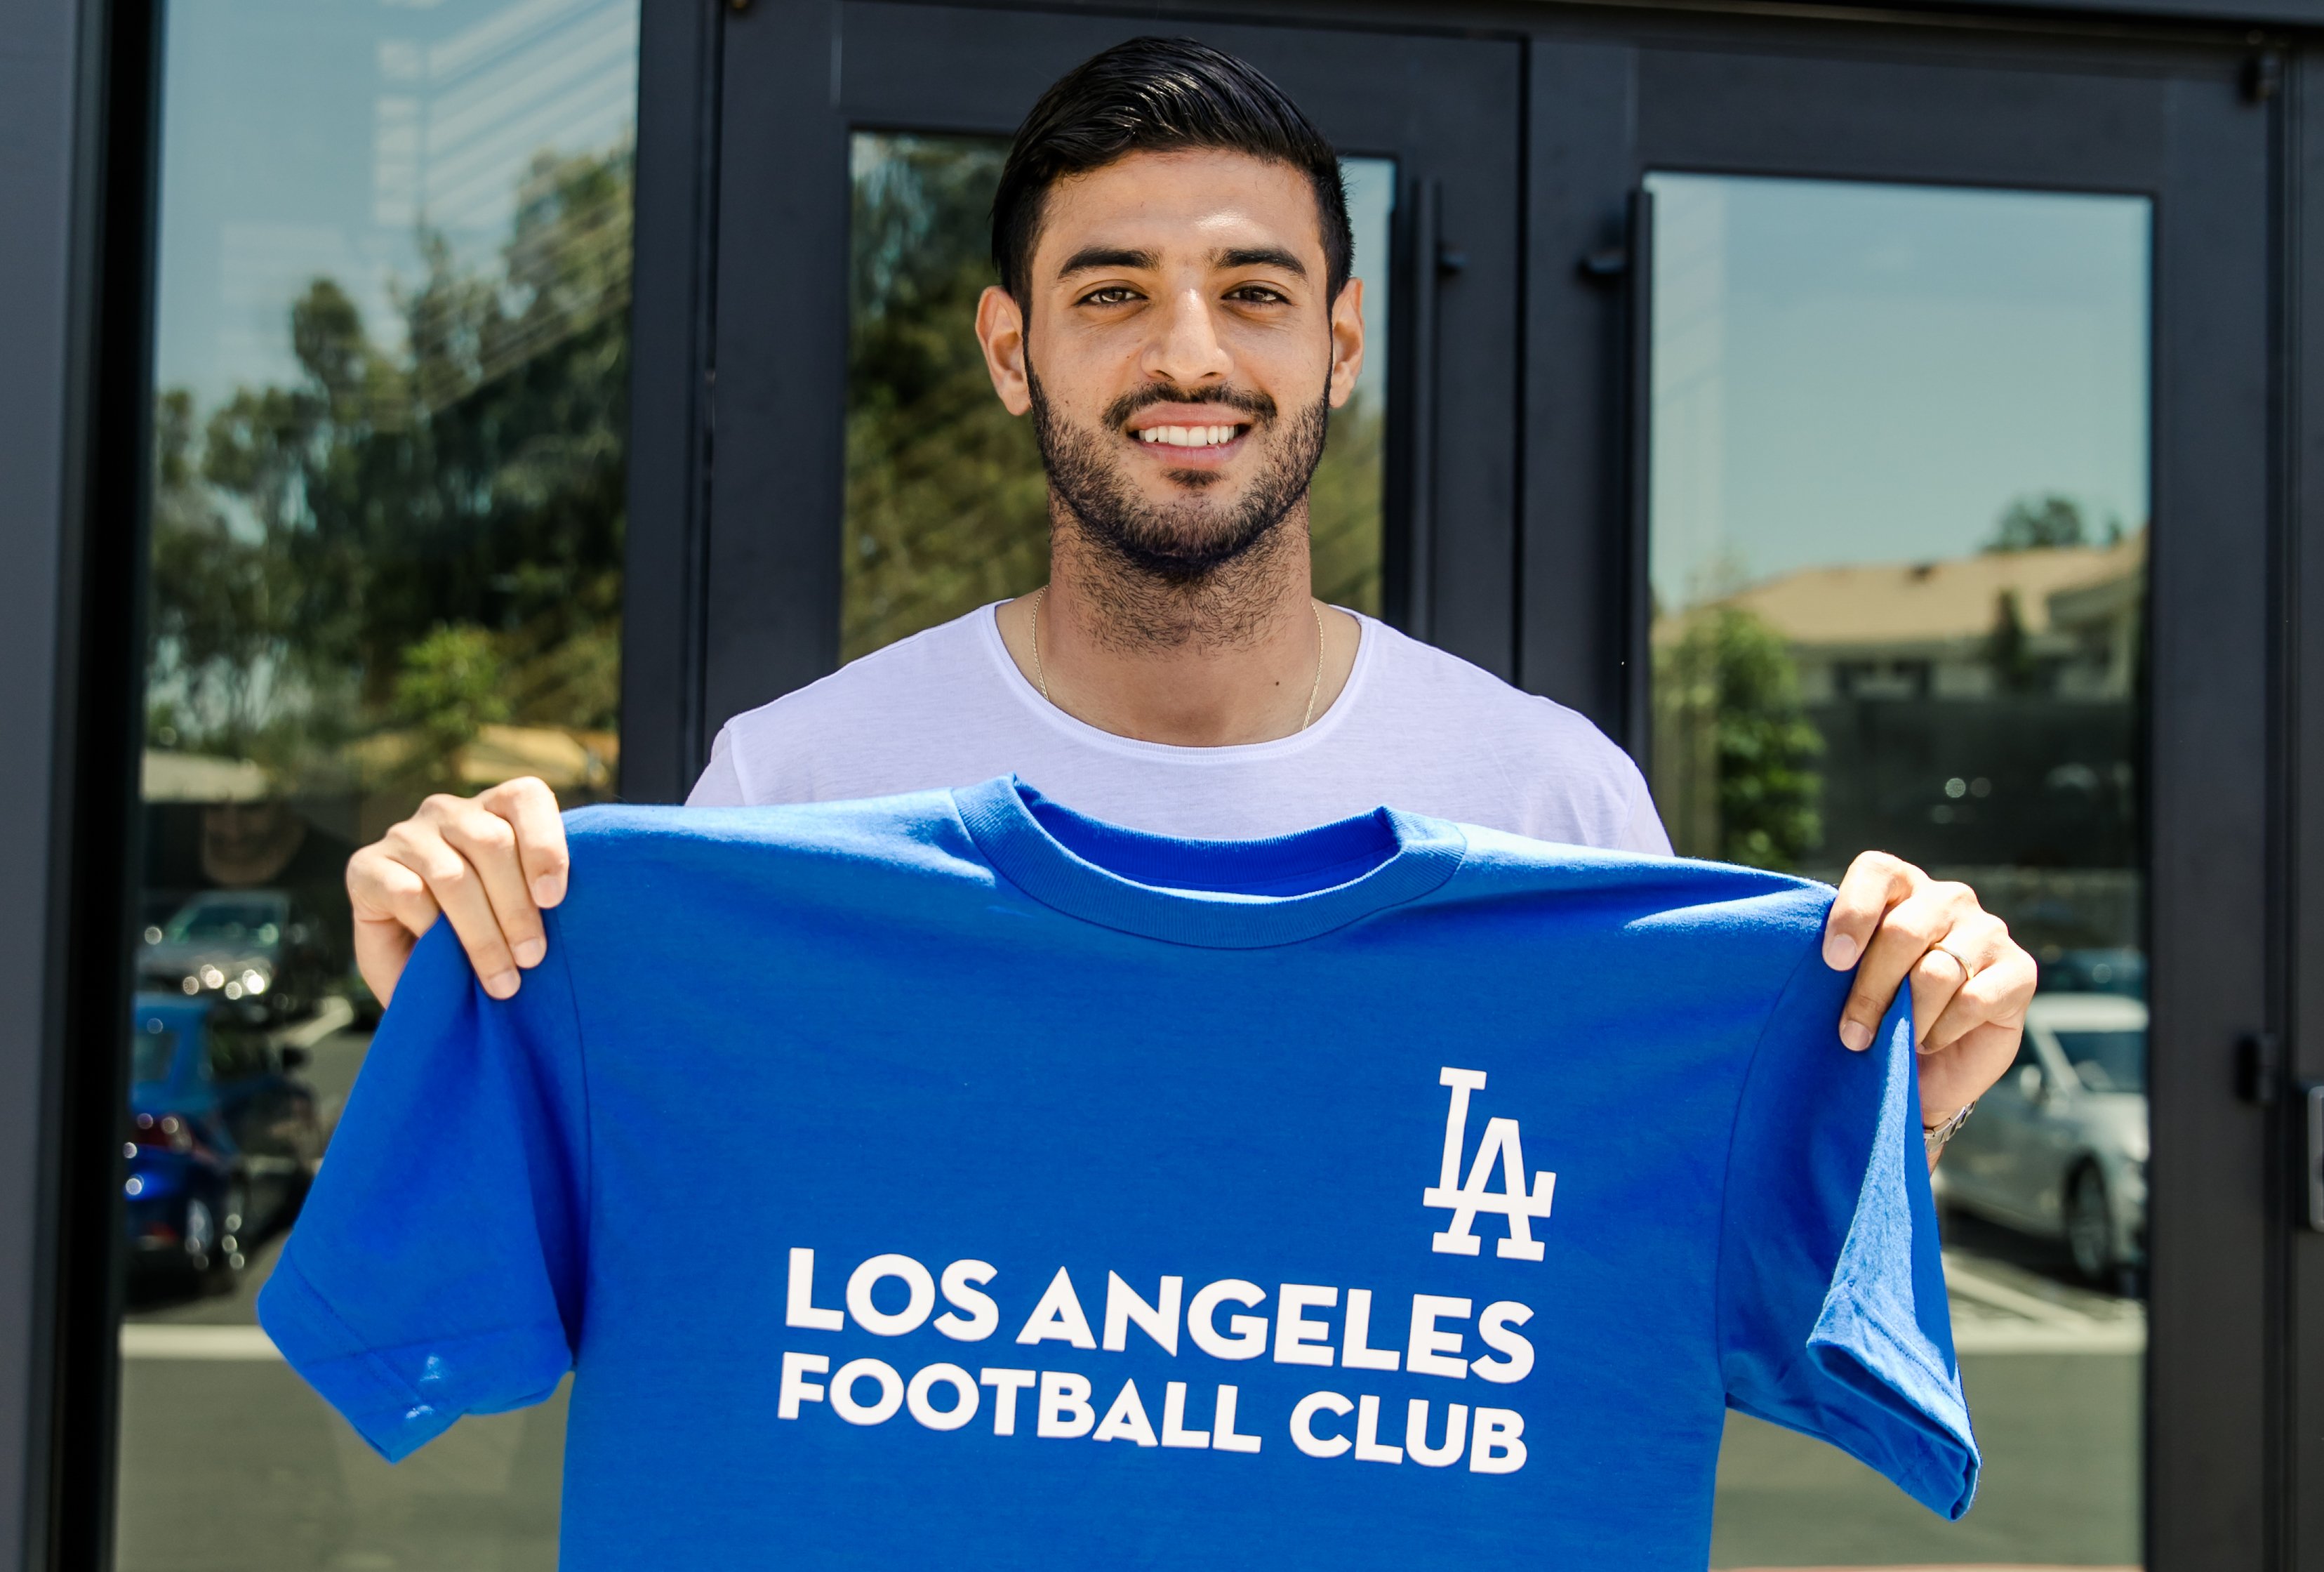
[392, 909]
[1897, 949]
[530, 809]
[480, 864]
[1874, 883]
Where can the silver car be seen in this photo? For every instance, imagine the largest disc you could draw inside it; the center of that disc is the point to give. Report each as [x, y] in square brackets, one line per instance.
[2057, 1148]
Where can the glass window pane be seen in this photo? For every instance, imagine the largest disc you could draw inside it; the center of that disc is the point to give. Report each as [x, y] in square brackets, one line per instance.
[391, 368]
[945, 506]
[1898, 553]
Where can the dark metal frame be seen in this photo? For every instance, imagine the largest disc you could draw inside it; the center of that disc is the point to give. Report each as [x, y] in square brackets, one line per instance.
[79, 114]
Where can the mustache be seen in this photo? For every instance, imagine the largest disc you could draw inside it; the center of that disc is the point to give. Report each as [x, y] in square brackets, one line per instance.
[1257, 405]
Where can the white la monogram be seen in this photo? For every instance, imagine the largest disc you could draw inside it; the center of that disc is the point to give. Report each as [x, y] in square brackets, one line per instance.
[1503, 1145]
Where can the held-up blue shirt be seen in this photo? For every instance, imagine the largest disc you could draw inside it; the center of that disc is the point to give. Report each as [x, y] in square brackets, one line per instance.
[953, 1180]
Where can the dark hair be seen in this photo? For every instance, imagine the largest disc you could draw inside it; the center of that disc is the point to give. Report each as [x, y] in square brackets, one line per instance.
[1159, 95]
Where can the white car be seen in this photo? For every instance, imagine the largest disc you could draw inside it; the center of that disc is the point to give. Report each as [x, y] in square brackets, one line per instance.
[2057, 1148]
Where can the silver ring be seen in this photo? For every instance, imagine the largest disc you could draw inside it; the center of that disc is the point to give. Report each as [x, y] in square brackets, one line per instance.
[1968, 971]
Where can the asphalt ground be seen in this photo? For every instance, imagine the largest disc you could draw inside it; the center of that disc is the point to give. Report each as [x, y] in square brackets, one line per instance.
[230, 1463]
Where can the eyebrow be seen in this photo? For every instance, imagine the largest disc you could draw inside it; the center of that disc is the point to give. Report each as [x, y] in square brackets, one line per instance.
[1091, 257]
[1259, 256]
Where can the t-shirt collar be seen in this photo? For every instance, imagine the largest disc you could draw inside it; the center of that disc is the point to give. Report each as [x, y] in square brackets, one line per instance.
[1218, 894]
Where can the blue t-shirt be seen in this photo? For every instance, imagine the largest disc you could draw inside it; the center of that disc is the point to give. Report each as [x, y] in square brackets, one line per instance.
[953, 1180]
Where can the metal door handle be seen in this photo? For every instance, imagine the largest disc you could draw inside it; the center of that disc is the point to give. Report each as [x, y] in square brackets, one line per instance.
[2311, 1151]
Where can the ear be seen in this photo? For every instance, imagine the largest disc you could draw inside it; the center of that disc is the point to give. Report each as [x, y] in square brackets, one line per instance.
[1347, 341]
[1000, 330]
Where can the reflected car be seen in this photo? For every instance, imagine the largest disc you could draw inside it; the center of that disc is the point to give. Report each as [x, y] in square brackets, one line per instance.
[2058, 1147]
[240, 946]
[222, 1137]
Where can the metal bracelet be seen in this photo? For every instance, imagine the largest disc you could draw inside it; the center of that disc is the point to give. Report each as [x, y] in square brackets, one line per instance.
[1934, 1136]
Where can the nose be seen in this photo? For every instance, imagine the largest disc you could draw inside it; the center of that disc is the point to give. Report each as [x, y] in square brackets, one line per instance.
[1186, 348]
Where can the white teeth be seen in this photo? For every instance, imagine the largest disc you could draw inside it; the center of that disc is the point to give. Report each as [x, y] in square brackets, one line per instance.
[1188, 436]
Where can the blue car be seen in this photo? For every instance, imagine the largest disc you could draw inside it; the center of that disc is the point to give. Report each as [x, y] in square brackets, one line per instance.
[222, 1138]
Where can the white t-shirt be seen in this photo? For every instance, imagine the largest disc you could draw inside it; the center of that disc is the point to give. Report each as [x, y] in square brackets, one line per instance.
[1414, 729]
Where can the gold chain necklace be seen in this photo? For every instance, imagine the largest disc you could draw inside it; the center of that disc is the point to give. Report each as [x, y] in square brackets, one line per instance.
[1314, 689]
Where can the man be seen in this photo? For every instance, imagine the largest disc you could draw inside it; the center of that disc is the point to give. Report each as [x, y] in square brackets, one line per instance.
[1175, 314]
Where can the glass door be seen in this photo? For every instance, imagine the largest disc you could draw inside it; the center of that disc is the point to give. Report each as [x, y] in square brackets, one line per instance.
[1933, 528]
[859, 146]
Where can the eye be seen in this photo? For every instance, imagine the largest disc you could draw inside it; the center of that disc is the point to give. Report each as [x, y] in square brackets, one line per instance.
[1258, 295]
[1111, 295]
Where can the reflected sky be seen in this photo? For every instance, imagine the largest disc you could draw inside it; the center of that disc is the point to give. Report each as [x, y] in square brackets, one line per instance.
[306, 138]
[1857, 373]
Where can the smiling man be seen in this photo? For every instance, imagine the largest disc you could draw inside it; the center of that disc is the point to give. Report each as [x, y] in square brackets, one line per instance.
[1177, 317]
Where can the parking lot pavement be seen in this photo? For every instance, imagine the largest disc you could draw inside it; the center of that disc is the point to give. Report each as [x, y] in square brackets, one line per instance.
[230, 1463]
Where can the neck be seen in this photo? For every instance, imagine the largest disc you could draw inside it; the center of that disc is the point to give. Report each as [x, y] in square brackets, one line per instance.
[1227, 658]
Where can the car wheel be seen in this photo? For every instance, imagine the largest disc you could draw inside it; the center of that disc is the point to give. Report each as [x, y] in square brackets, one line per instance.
[200, 1234]
[2090, 1227]
[228, 1259]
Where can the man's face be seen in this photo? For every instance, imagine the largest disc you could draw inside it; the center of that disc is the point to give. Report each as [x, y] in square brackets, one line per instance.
[1177, 351]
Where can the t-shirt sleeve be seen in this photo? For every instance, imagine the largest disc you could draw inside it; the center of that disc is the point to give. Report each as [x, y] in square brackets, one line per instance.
[720, 784]
[436, 1268]
[1644, 833]
[1833, 1318]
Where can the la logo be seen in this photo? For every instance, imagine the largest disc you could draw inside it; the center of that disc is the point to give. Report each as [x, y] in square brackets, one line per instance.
[1502, 1146]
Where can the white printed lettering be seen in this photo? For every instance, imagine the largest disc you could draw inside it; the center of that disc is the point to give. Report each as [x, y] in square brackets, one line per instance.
[1175, 1432]
[1497, 1327]
[1005, 1384]
[1430, 1351]
[1058, 1318]
[983, 1315]
[963, 1405]
[1368, 1442]
[798, 1303]
[1125, 1421]
[1248, 1340]
[796, 1388]
[842, 1391]
[1416, 1434]
[919, 1287]
[1498, 1449]
[1303, 1419]
[1503, 1144]
[1064, 1411]
[1354, 1352]
[1158, 1321]
[1298, 1341]
[1223, 1430]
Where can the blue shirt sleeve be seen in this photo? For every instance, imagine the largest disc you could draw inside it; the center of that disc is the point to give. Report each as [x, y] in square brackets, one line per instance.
[1833, 1320]
[438, 1266]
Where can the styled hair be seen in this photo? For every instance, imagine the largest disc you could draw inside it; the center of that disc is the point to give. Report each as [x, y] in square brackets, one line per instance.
[1159, 95]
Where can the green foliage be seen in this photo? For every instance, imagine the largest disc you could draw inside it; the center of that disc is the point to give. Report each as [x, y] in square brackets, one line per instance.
[413, 516]
[1735, 752]
[2034, 522]
[947, 507]
[452, 686]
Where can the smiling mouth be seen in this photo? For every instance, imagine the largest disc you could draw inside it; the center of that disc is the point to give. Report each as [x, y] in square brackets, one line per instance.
[1189, 437]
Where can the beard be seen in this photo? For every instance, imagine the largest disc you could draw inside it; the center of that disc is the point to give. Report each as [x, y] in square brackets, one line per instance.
[1181, 549]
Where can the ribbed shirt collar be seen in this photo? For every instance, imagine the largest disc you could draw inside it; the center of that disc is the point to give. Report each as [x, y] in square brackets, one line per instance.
[1217, 895]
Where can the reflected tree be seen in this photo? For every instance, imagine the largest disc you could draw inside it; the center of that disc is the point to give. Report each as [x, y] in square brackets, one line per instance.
[1735, 753]
[422, 530]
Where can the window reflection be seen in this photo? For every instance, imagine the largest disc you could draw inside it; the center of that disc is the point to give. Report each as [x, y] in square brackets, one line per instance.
[945, 506]
[1897, 551]
[387, 517]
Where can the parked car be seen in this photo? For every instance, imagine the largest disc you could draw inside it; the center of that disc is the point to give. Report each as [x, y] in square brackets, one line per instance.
[222, 1138]
[2057, 1148]
[241, 946]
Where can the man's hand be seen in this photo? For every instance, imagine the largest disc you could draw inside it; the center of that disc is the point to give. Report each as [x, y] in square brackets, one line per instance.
[1970, 981]
[490, 863]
